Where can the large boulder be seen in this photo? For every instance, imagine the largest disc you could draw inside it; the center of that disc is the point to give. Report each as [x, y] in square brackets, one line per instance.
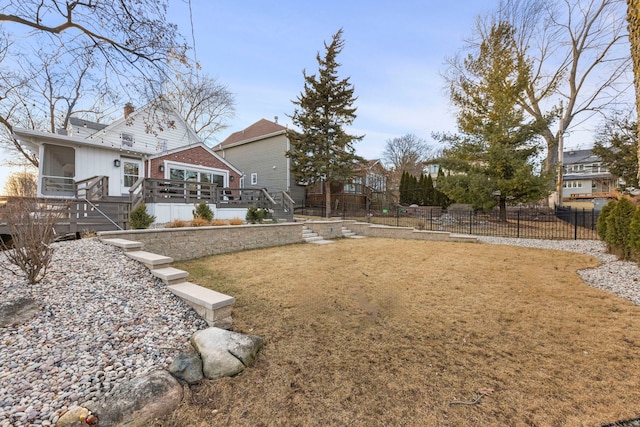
[135, 403]
[225, 353]
[17, 311]
[187, 367]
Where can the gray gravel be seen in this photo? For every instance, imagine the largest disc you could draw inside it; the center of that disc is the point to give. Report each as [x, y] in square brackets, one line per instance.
[105, 319]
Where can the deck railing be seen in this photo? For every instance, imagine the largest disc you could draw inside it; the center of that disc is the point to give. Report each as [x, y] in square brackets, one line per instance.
[75, 215]
[94, 188]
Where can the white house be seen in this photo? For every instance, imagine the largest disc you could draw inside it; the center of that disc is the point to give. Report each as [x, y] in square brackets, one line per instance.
[151, 146]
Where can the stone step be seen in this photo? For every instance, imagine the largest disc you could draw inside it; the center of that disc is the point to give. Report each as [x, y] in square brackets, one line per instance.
[170, 275]
[151, 260]
[126, 245]
[312, 238]
[321, 242]
[463, 238]
[213, 306]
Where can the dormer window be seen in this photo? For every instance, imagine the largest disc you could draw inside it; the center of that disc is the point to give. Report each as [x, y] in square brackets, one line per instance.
[127, 139]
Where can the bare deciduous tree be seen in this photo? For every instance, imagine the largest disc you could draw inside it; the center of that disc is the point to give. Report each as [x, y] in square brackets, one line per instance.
[203, 102]
[114, 45]
[406, 153]
[633, 17]
[578, 54]
[21, 184]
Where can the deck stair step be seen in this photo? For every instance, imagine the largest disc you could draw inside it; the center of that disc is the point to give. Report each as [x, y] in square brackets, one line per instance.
[213, 306]
[151, 260]
[124, 244]
[170, 275]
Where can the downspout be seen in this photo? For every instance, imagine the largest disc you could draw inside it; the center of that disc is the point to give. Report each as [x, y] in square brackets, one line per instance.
[288, 166]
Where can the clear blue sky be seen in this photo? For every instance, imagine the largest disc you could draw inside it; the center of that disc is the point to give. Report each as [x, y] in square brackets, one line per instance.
[394, 53]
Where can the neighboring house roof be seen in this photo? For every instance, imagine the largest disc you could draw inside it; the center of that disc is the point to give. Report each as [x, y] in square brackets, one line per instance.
[259, 130]
[579, 156]
[585, 176]
[74, 121]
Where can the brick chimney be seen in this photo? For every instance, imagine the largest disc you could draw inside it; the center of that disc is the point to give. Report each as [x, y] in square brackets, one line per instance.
[128, 109]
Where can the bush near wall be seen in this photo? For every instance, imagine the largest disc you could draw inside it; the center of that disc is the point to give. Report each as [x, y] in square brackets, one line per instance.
[616, 228]
[601, 226]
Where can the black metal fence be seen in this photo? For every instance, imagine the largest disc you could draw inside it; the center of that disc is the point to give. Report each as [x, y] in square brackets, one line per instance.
[532, 223]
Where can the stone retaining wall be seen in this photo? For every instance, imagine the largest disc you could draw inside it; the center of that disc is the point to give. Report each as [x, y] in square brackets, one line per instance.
[195, 242]
[386, 231]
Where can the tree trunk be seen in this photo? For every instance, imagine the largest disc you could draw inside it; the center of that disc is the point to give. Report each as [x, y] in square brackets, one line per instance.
[327, 198]
[503, 209]
[633, 16]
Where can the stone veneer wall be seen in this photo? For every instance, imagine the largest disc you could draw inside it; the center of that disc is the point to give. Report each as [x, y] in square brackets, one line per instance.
[195, 242]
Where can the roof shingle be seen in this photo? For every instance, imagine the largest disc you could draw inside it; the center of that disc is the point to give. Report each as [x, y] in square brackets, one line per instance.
[258, 129]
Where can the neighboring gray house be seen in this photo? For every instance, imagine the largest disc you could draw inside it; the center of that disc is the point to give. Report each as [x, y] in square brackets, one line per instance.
[260, 152]
[585, 178]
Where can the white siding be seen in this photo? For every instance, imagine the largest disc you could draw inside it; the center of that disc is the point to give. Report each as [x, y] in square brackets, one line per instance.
[144, 142]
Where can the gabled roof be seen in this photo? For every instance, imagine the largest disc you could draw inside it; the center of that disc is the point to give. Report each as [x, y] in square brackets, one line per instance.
[162, 105]
[206, 148]
[74, 121]
[261, 129]
[579, 156]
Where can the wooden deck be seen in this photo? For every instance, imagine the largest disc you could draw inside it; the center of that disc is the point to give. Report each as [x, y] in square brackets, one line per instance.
[77, 215]
[93, 210]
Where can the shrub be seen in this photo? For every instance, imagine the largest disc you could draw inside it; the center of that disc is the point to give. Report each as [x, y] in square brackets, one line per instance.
[176, 223]
[203, 210]
[200, 222]
[601, 226]
[236, 221]
[256, 215]
[139, 217]
[219, 222]
[634, 235]
[618, 227]
[31, 226]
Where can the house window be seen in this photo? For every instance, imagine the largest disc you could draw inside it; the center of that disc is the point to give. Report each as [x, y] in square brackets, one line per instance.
[254, 179]
[131, 172]
[127, 139]
[194, 175]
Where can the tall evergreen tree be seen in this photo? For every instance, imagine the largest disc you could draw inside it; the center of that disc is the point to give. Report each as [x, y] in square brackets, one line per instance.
[322, 151]
[492, 156]
[429, 191]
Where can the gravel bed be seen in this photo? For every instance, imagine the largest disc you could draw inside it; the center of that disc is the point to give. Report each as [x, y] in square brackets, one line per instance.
[105, 319]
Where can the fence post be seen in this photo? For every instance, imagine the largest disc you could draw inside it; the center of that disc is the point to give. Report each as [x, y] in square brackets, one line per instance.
[518, 225]
[430, 219]
[470, 222]
[575, 227]
[397, 216]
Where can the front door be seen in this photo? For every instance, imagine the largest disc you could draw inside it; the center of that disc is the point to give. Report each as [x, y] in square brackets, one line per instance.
[131, 171]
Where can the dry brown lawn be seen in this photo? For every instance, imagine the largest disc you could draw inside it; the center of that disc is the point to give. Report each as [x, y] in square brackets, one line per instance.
[381, 332]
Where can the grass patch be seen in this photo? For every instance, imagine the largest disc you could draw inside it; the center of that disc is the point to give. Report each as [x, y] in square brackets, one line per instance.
[382, 332]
